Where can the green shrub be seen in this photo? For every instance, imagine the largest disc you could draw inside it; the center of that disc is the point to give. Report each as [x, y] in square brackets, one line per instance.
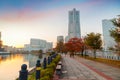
[52, 65]
[57, 59]
[45, 78]
[49, 72]
[43, 71]
[32, 76]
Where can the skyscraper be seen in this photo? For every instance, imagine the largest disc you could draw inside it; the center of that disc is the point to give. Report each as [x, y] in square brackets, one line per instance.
[108, 40]
[74, 24]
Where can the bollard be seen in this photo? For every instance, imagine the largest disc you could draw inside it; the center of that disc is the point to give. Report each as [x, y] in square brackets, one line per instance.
[54, 55]
[44, 63]
[38, 68]
[49, 60]
[23, 74]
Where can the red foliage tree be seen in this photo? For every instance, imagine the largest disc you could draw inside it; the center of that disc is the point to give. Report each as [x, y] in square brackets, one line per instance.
[74, 45]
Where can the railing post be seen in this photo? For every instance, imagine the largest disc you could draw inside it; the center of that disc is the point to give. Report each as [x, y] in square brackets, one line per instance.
[49, 60]
[38, 68]
[23, 74]
[44, 63]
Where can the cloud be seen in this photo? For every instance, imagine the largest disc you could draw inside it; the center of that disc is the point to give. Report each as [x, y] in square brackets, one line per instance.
[25, 15]
[29, 15]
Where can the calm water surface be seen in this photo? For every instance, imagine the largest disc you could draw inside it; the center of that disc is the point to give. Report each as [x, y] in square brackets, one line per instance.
[10, 65]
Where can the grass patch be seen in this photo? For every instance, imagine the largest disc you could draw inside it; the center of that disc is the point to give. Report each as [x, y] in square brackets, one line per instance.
[114, 63]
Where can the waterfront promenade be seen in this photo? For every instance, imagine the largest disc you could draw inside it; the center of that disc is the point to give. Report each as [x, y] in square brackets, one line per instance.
[82, 69]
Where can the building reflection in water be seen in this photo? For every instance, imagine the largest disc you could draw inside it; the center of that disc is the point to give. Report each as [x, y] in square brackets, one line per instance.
[12, 64]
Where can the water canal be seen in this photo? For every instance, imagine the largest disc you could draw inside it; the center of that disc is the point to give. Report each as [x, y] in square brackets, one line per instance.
[10, 65]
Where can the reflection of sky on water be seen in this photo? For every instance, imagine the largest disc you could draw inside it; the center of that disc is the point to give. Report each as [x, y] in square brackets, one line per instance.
[10, 65]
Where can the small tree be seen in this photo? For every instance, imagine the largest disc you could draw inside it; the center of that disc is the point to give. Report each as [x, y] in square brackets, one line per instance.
[65, 49]
[59, 47]
[40, 53]
[115, 33]
[94, 41]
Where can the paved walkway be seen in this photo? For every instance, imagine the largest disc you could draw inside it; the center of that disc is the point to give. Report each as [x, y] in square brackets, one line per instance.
[82, 69]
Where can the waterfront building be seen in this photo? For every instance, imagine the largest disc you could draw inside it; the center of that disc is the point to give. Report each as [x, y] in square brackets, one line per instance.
[107, 39]
[38, 44]
[49, 46]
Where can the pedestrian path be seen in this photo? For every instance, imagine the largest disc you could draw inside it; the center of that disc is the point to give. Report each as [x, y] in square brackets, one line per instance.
[81, 69]
[109, 72]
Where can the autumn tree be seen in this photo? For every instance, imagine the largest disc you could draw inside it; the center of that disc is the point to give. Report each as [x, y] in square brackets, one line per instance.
[94, 41]
[74, 45]
[115, 33]
[60, 46]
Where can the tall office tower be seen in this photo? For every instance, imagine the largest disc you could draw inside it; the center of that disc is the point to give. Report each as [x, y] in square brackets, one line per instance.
[108, 40]
[74, 24]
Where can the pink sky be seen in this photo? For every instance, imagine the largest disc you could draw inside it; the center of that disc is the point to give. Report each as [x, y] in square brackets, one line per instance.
[19, 25]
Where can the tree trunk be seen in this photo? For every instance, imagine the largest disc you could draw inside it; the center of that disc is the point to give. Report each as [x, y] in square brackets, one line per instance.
[82, 52]
[85, 53]
[118, 48]
[94, 53]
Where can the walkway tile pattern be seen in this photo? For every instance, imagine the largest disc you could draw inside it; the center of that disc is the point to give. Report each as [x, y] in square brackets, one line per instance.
[112, 72]
[82, 69]
[77, 71]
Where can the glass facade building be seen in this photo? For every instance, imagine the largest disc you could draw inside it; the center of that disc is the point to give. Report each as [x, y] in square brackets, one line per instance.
[74, 24]
[107, 39]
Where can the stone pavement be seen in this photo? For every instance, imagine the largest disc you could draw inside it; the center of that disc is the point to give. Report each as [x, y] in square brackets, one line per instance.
[108, 72]
[82, 69]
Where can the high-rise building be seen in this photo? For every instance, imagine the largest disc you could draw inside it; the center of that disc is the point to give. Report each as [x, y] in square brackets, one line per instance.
[108, 40]
[60, 39]
[74, 24]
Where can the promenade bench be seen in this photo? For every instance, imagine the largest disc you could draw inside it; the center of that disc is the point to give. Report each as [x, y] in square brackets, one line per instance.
[59, 68]
[59, 63]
